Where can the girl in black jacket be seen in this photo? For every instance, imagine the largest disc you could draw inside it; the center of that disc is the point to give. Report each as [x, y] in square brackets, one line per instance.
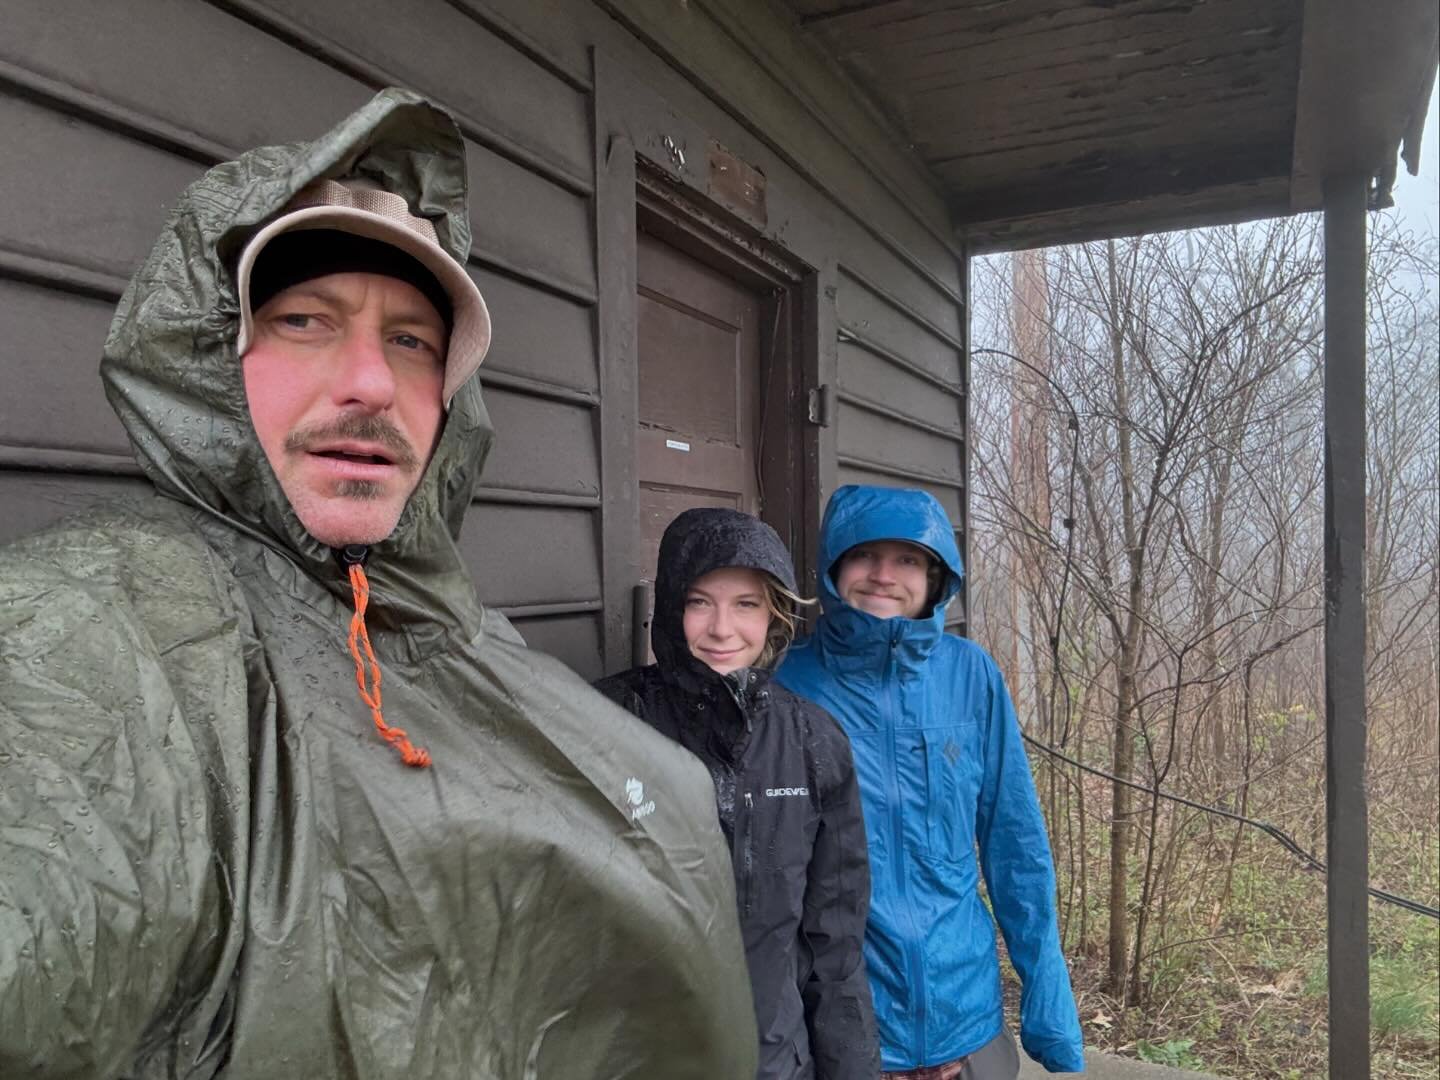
[784, 787]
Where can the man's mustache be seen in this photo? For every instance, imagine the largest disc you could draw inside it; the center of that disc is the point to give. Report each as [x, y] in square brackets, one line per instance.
[375, 429]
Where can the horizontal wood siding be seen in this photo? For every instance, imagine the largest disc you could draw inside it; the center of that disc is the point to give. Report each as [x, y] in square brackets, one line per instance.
[547, 337]
[931, 344]
[32, 500]
[525, 555]
[867, 377]
[574, 638]
[947, 496]
[542, 446]
[80, 195]
[439, 50]
[50, 345]
[904, 450]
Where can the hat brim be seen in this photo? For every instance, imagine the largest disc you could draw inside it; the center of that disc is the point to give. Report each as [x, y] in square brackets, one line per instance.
[470, 331]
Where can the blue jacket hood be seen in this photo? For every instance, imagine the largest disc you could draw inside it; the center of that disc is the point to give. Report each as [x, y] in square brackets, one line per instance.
[859, 514]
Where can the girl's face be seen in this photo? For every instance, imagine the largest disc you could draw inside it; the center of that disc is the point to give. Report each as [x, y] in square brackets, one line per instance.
[727, 618]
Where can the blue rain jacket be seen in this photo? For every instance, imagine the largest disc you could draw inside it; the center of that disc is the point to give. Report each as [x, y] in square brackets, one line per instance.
[943, 774]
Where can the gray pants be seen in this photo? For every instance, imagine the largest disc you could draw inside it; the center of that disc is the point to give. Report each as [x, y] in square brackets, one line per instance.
[996, 1060]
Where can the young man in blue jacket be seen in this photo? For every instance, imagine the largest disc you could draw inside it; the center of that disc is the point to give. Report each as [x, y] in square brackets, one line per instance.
[943, 775]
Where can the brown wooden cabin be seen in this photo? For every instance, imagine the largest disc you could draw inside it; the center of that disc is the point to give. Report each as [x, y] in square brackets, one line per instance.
[725, 242]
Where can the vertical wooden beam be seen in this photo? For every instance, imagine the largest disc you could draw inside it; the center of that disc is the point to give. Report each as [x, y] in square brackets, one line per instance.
[822, 341]
[963, 525]
[782, 404]
[1346, 815]
[615, 325]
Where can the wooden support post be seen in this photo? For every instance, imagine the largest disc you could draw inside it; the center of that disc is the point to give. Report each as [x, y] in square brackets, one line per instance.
[1346, 815]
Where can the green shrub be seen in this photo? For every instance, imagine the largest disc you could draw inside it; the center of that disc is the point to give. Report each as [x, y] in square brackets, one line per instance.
[1404, 996]
[1404, 999]
[1176, 1053]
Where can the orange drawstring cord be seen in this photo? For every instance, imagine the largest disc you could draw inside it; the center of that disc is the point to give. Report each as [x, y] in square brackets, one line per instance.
[409, 752]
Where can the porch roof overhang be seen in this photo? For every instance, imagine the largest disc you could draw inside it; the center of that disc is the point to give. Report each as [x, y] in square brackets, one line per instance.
[1051, 121]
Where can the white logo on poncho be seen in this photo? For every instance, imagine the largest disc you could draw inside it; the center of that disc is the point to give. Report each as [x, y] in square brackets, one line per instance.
[635, 796]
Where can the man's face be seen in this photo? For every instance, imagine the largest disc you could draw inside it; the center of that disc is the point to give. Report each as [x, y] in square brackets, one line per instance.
[344, 382]
[885, 578]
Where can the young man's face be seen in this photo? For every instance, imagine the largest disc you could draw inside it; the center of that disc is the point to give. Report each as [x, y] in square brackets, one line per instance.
[344, 382]
[885, 578]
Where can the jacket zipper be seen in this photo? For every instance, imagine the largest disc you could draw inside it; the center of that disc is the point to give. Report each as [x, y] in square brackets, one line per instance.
[914, 959]
[749, 854]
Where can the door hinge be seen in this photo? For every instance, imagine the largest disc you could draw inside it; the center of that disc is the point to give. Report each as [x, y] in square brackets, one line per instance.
[822, 405]
[642, 604]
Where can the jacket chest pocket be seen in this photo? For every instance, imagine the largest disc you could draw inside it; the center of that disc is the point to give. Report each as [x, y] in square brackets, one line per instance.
[774, 837]
[952, 783]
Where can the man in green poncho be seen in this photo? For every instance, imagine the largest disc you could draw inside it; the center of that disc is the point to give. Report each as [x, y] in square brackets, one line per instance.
[219, 855]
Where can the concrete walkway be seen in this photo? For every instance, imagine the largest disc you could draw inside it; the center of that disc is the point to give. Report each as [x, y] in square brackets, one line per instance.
[1100, 1066]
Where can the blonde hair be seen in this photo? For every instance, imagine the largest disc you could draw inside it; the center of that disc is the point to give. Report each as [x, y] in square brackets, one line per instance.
[784, 608]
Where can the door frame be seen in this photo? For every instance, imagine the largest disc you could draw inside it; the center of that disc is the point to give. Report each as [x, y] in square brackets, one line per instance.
[643, 183]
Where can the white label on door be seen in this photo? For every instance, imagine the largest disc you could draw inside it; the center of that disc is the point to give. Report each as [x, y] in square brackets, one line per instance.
[676, 444]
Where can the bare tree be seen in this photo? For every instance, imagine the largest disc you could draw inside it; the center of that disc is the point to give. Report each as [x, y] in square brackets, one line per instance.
[1191, 365]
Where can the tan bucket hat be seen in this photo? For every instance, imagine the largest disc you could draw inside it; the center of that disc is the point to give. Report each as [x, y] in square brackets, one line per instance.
[362, 209]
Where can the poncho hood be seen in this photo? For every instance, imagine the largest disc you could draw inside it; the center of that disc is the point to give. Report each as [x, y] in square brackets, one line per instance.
[172, 373]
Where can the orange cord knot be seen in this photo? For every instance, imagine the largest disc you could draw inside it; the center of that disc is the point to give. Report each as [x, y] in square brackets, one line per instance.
[370, 693]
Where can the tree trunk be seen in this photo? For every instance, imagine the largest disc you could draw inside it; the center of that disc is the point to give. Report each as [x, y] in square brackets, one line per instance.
[1121, 764]
[1123, 756]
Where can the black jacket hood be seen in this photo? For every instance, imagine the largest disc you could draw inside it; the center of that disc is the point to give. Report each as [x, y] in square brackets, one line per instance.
[695, 543]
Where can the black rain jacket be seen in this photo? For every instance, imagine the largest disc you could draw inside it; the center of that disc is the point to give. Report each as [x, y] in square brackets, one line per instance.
[789, 805]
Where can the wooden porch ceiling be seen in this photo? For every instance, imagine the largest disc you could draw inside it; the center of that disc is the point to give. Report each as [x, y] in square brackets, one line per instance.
[1047, 121]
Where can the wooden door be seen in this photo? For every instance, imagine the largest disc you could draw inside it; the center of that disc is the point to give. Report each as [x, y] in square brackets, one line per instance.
[699, 363]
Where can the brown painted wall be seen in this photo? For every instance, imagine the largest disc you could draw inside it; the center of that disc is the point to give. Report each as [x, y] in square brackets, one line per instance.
[107, 111]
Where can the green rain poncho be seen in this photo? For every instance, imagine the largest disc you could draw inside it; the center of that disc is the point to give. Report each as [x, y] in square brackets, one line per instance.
[211, 865]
